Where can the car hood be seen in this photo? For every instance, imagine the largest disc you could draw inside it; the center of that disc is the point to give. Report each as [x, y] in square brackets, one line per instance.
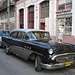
[58, 47]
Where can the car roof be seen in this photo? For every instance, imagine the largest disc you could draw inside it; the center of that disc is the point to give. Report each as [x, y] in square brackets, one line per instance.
[28, 30]
[4, 30]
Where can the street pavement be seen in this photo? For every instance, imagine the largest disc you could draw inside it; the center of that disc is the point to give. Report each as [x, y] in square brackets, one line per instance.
[13, 65]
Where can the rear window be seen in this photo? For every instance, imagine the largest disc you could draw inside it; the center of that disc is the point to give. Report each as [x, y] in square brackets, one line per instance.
[14, 34]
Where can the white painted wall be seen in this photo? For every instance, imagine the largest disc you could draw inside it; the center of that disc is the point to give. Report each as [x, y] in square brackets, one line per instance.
[55, 3]
[17, 19]
[51, 17]
[73, 17]
[37, 16]
[26, 18]
[35, 25]
[47, 24]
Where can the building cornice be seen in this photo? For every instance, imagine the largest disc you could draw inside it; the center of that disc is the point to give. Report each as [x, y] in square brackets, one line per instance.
[20, 1]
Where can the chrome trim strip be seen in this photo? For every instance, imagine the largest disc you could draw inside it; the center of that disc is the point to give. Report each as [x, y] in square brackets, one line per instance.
[62, 55]
[54, 66]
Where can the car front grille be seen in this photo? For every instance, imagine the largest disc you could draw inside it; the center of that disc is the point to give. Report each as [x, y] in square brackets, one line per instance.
[65, 58]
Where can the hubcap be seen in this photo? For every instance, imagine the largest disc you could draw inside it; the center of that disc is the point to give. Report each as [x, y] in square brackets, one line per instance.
[7, 50]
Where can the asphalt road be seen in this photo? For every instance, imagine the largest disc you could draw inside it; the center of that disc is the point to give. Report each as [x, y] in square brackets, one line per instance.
[13, 65]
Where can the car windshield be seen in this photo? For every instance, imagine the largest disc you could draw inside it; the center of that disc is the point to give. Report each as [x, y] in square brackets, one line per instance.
[38, 35]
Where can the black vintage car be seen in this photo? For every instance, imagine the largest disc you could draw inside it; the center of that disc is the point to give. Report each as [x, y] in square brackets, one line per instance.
[37, 45]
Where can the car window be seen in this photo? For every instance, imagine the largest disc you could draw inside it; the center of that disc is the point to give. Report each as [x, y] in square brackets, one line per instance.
[41, 35]
[31, 35]
[1, 33]
[4, 33]
[26, 37]
[21, 35]
[38, 35]
[14, 34]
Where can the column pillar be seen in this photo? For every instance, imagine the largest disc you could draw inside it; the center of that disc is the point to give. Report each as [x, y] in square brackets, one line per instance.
[35, 16]
[38, 16]
[73, 17]
[51, 17]
[18, 25]
[24, 19]
[55, 7]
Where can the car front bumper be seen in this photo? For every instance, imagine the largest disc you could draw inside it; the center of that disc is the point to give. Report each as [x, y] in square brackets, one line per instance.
[54, 66]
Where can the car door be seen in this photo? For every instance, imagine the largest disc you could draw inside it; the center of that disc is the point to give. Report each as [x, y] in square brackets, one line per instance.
[20, 43]
[13, 42]
[27, 48]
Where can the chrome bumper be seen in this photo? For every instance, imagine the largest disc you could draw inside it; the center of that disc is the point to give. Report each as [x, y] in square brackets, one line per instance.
[54, 66]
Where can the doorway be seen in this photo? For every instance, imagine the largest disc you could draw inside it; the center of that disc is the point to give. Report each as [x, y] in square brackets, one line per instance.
[42, 27]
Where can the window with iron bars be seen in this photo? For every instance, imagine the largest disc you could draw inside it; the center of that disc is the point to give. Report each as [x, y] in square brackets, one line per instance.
[44, 9]
[67, 23]
[64, 4]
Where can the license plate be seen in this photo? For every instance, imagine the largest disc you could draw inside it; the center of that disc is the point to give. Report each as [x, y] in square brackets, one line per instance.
[67, 63]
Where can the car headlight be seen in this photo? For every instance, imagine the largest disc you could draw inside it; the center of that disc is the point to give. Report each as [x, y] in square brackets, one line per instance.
[51, 51]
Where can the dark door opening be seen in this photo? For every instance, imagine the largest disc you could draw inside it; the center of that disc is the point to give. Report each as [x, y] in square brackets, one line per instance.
[42, 27]
[21, 18]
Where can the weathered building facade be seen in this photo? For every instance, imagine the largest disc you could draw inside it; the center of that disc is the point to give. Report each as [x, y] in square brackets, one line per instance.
[65, 24]
[4, 15]
[56, 16]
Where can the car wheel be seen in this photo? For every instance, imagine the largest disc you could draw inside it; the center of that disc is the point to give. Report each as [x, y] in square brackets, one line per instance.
[0, 44]
[38, 63]
[7, 51]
